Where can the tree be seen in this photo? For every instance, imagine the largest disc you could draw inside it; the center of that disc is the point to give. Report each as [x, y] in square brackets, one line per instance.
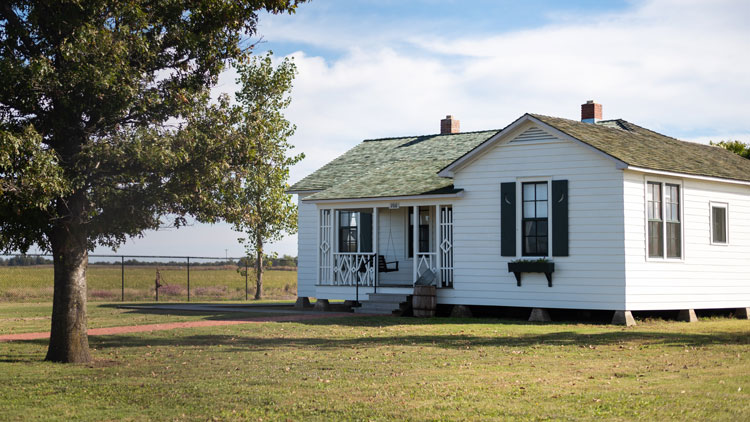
[269, 211]
[106, 129]
[740, 148]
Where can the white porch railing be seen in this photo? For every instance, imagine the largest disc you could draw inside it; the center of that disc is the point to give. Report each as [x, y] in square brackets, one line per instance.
[325, 246]
[445, 246]
[426, 260]
[349, 268]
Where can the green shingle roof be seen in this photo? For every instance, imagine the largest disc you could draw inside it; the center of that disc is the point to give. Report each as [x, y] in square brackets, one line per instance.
[408, 166]
[640, 147]
[391, 167]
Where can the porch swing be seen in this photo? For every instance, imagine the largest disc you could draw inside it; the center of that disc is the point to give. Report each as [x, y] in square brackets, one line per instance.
[382, 263]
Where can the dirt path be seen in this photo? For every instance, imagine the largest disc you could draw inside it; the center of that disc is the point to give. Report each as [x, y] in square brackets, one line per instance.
[175, 325]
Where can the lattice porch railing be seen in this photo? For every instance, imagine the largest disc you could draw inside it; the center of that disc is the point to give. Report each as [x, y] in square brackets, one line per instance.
[445, 247]
[348, 268]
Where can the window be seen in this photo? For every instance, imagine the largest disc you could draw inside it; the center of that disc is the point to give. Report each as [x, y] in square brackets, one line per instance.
[663, 204]
[424, 230]
[672, 208]
[718, 223]
[348, 231]
[355, 231]
[655, 222]
[534, 220]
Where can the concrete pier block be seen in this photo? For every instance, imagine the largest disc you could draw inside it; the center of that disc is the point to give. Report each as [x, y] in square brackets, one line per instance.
[302, 302]
[623, 318]
[349, 304]
[687, 315]
[742, 313]
[461, 311]
[322, 305]
[539, 315]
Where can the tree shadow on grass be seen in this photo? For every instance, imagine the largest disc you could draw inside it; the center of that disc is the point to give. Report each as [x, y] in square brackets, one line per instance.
[208, 315]
[23, 358]
[243, 341]
[239, 342]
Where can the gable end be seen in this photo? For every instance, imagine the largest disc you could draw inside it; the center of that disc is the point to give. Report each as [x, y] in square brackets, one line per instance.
[533, 134]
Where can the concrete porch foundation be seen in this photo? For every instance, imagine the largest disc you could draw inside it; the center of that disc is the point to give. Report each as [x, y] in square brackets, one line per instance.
[687, 315]
[461, 311]
[623, 318]
[302, 303]
[539, 315]
[322, 305]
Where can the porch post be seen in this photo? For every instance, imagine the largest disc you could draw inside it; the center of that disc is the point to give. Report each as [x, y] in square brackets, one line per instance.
[438, 240]
[415, 242]
[375, 245]
[335, 227]
[334, 242]
[319, 264]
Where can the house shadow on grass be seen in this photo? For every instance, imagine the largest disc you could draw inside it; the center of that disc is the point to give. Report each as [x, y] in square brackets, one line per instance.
[566, 336]
[241, 342]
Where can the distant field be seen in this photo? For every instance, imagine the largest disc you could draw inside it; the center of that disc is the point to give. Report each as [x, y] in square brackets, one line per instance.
[34, 283]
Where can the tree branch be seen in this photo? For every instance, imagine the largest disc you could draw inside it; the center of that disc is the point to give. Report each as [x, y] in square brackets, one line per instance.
[6, 12]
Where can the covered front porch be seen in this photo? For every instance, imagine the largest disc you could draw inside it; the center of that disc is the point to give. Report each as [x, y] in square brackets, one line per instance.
[386, 247]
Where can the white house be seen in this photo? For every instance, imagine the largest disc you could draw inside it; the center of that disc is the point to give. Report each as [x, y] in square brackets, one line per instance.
[631, 219]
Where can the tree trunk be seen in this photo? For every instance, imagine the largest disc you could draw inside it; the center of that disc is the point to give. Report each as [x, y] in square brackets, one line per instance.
[69, 341]
[259, 268]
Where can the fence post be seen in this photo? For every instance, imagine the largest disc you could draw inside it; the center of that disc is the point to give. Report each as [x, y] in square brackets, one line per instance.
[188, 271]
[246, 259]
[122, 278]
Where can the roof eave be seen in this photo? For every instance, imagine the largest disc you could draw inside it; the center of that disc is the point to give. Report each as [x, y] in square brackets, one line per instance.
[458, 194]
[685, 175]
[299, 191]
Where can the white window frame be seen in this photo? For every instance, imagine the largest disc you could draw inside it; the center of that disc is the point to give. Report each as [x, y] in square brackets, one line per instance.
[338, 228]
[681, 187]
[519, 215]
[711, 206]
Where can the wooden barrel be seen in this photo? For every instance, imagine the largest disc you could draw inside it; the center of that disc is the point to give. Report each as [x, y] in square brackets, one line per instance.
[424, 301]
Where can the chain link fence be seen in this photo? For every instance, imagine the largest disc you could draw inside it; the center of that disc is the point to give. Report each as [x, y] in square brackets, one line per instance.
[130, 278]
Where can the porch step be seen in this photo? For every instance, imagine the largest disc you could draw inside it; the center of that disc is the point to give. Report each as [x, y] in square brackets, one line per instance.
[386, 297]
[384, 303]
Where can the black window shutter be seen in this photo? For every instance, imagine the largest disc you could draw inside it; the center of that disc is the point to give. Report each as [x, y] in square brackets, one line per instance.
[559, 218]
[508, 219]
[365, 234]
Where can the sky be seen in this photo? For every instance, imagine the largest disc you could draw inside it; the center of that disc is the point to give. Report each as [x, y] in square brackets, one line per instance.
[372, 69]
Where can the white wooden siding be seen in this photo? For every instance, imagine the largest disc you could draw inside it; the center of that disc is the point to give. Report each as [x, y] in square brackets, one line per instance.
[307, 247]
[709, 276]
[592, 277]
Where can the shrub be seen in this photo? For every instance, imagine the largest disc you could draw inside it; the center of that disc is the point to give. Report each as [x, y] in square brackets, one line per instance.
[103, 294]
[215, 291]
[172, 290]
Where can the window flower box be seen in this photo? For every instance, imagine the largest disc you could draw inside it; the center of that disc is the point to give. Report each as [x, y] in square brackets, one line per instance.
[521, 266]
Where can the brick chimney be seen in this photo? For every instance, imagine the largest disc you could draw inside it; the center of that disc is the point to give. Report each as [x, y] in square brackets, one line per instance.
[591, 112]
[449, 125]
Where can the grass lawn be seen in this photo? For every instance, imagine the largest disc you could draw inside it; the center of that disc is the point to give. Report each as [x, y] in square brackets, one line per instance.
[377, 368]
[34, 283]
[17, 318]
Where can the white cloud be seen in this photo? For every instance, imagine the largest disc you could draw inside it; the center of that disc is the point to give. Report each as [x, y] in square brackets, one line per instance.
[677, 67]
